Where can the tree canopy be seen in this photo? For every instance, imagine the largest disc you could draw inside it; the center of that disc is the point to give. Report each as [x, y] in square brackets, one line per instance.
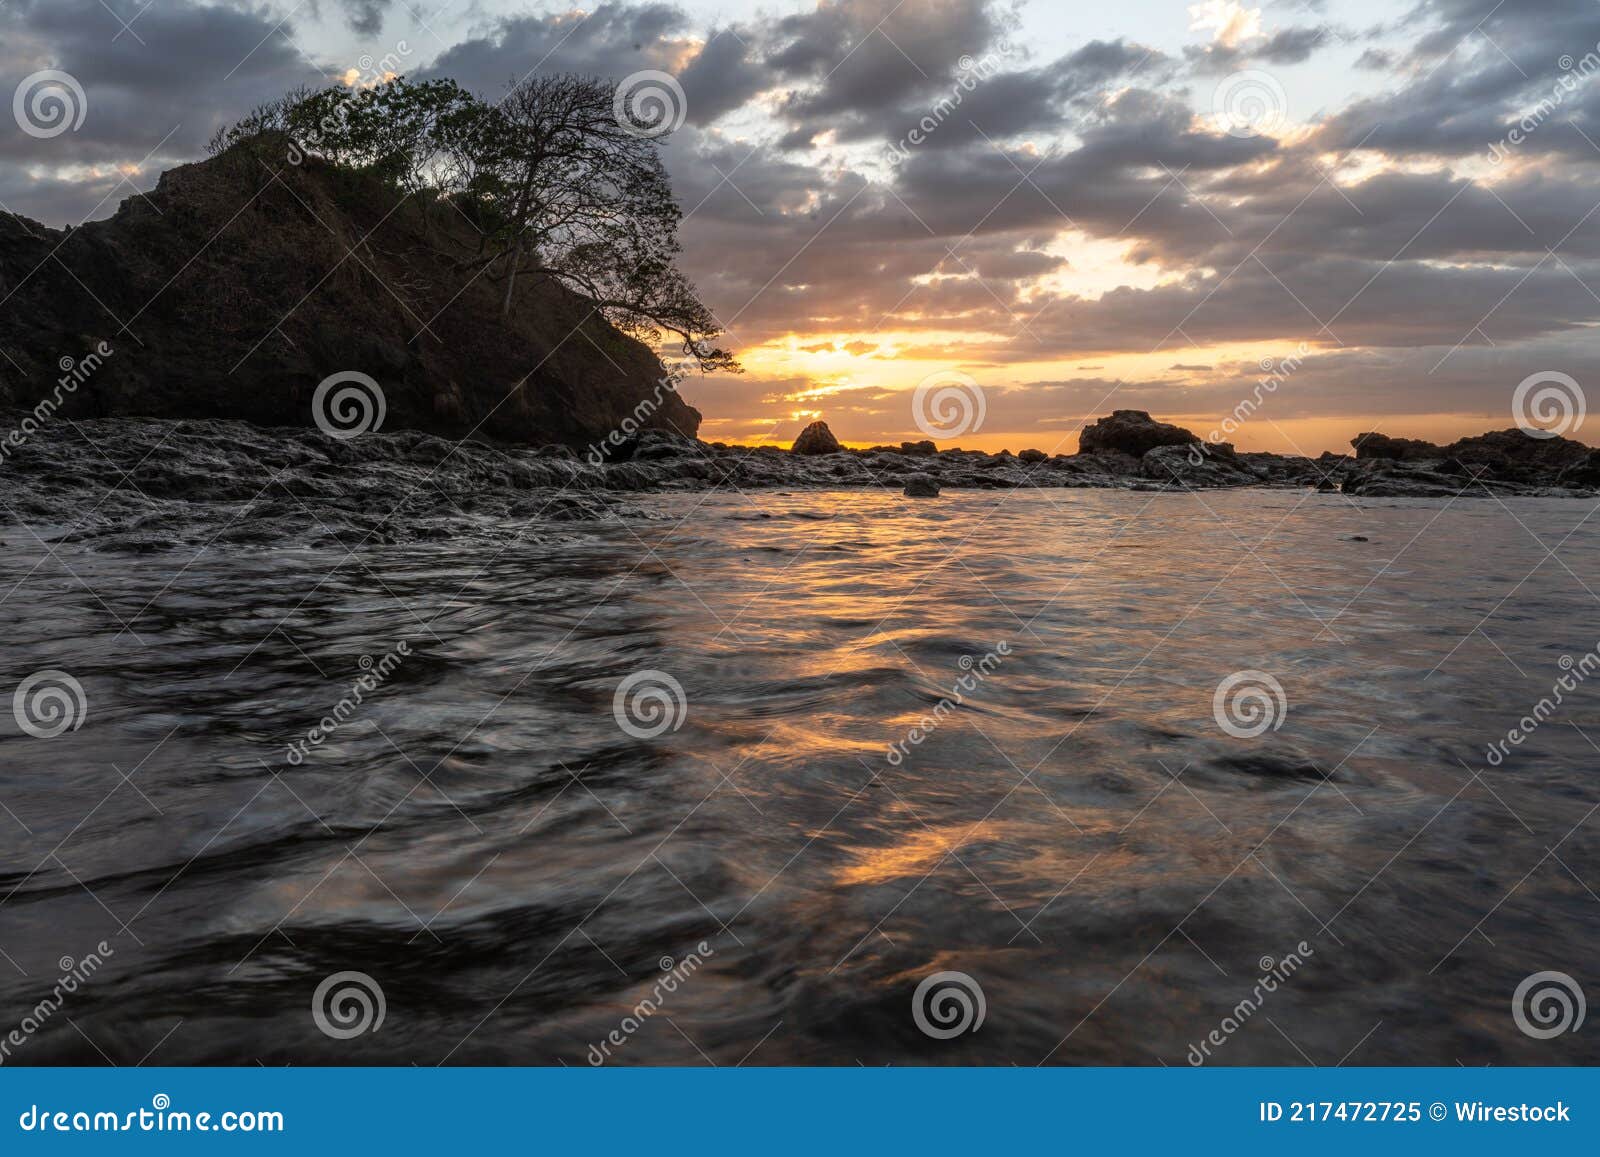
[553, 182]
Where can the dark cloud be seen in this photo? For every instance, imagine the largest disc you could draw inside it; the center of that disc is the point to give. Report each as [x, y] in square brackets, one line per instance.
[1288, 46]
[153, 91]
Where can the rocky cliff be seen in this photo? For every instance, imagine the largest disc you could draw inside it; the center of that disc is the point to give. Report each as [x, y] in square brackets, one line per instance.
[242, 282]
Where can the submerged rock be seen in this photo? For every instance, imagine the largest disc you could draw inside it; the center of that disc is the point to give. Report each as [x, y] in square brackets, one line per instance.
[920, 486]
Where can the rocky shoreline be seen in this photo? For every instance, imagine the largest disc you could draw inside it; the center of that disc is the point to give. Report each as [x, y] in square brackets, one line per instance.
[148, 484]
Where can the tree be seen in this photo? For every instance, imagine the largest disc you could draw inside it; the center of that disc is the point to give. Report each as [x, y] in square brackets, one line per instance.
[583, 198]
[557, 186]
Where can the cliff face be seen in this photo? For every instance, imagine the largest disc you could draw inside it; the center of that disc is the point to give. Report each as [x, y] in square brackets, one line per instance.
[241, 283]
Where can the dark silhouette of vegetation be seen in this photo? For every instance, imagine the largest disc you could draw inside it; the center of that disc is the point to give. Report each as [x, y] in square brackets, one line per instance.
[554, 185]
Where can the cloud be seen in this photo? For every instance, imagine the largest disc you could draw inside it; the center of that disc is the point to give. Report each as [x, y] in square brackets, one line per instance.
[1229, 22]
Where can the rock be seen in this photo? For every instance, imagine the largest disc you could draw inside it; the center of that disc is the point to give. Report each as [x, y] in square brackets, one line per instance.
[1132, 432]
[1374, 445]
[1191, 466]
[920, 449]
[1584, 473]
[211, 258]
[816, 439]
[920, 486]
[1513, 448]
[1032, 456]
[1358, 538]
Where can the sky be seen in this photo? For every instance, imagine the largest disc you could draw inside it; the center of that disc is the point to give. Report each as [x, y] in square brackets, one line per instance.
[1346, 215]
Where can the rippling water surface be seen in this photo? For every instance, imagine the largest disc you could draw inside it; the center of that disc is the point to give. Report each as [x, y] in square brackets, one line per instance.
[1078, 835]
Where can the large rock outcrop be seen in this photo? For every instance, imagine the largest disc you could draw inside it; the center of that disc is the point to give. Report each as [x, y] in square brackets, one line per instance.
[1132, 432]
[816, 439]
[241, 283]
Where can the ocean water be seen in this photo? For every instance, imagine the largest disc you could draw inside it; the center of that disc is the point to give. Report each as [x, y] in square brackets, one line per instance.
[860, 741]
